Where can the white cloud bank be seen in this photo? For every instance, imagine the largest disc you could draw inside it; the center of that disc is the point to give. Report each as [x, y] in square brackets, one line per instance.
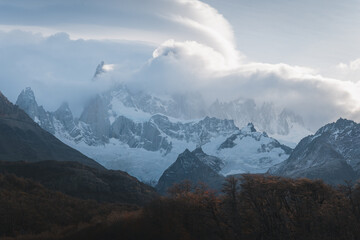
[318, 99]
[196, 52]
[351, 66]
[349, 71]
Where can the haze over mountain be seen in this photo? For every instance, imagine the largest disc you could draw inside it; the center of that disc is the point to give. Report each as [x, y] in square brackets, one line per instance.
[21, 139]
[144, 134]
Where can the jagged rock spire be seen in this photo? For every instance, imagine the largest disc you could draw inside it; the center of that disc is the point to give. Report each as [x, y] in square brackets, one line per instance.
[99, 69]
[26, 101]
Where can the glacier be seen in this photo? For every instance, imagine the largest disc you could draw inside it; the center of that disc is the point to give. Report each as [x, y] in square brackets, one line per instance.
[143, 134]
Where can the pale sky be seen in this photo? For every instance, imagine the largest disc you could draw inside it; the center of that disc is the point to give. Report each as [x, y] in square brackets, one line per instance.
[303, 55]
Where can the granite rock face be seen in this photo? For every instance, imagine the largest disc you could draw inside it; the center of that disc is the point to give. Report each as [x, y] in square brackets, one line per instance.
[99, 70]
[26, 101]
[193, 166]
[60, 123]
[332, 154]
[213, 162]
[143, 134]
[21, 139]
[64, 115]
[100, 122]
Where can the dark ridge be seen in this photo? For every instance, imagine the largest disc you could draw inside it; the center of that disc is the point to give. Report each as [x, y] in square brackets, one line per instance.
[21, 139]
[84, 182]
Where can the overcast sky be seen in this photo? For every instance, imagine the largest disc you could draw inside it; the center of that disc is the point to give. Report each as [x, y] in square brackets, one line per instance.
[303, 55]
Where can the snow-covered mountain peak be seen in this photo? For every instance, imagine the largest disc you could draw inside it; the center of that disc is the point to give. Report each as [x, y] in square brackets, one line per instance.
[332, 154]
[249, 128]
[64, 115]
[247, 150]
[143, 134]
[27, 94]
[60, 123]
[8, 110]
[27, 102]
[340, 126]
[282, 124]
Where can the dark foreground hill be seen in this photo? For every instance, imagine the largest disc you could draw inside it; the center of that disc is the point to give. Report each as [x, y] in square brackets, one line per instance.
[26, 207]
[84, 182]
[21, 139]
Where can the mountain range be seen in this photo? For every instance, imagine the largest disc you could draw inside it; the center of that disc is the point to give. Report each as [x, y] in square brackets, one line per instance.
[146, 134]
[29, 151]
[22, 139]
[331, 154]
[282, 124]
[138, 133]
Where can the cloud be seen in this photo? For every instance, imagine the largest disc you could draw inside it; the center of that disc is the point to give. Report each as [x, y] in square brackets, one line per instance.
[349, 71]
[191, 67]
[204, 18]
[171, 47]
[203, 57]
[108, 67]
[62, 68]
[351, 66]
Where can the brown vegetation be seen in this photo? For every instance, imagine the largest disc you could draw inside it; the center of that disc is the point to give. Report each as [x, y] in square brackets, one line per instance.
[251, 207]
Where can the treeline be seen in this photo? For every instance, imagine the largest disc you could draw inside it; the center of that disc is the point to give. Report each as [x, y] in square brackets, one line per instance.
[251, 207]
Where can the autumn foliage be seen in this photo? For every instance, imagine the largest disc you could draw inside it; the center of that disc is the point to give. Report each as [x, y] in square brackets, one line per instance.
[250, 207]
